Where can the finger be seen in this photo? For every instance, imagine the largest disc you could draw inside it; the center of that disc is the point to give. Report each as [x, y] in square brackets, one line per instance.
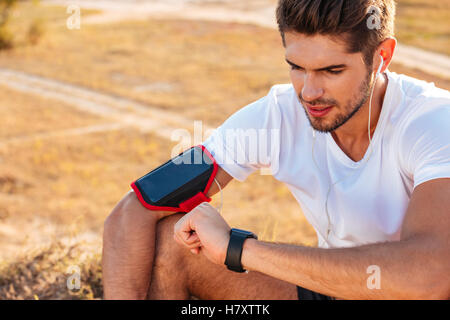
[195, 245]
[183, 229]
[196, 250]
[192, 245]
[179, 240]
[182, 242]
[193, 237]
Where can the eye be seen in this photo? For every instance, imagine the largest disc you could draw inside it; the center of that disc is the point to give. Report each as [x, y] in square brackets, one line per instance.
[334, 71]
[295, 67]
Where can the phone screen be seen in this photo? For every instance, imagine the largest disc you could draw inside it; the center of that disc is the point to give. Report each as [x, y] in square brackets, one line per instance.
[177, 172]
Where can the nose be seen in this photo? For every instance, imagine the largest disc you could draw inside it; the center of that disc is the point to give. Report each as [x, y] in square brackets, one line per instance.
[312, 90]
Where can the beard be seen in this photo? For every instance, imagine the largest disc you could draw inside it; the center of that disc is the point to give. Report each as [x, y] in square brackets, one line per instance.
[350, 109]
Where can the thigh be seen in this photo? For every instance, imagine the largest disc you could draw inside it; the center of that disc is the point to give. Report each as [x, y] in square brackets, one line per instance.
[180, 273]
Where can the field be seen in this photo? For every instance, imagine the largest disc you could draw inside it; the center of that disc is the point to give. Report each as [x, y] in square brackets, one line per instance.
[424, 24]
[58, 185]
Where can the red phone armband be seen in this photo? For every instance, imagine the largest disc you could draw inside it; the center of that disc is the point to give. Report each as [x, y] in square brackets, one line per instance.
[184, 196]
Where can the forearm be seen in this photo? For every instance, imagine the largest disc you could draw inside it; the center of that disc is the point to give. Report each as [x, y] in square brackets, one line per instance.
[408, 269]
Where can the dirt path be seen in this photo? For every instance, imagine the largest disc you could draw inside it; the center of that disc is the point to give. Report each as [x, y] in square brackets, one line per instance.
[120, 111]
[258, 12]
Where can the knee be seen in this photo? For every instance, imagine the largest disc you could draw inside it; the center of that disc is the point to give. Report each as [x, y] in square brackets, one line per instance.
[128, 218]
[165, 229]
[166, 247]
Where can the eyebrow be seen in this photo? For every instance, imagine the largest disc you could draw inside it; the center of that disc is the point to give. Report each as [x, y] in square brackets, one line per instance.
[334, 66]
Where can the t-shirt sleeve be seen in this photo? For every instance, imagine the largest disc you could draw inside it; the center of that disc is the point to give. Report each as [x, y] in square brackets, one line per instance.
[425, 145]
[249, 139]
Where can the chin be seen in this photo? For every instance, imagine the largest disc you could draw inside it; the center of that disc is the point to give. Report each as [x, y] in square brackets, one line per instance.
[323, 129]
[322, 125]
[330, 122]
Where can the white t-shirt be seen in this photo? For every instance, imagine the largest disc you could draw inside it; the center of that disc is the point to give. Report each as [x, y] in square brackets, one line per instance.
[367, 199]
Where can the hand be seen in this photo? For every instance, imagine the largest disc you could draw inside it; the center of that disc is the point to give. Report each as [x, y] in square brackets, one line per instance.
[204, 230]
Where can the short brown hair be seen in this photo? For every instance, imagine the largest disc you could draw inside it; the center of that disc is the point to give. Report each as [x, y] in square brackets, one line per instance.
[347, 20]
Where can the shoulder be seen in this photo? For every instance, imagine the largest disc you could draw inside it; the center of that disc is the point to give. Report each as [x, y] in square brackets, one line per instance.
[418, 106]
[420, 118]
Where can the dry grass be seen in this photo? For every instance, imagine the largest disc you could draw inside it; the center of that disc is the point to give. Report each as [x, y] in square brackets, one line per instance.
[43, 274]
[52, 116]
[53, 190]
[424, 24]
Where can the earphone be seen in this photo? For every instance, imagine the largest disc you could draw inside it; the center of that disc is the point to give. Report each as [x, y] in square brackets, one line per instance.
[368, 157]
[219, 208]
[371, 94]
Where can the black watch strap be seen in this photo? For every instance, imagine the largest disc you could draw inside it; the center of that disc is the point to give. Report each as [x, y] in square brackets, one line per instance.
[234, 251]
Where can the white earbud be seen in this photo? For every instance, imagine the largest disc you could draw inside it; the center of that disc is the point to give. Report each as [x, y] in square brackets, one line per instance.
[371, 95]
[380, 67]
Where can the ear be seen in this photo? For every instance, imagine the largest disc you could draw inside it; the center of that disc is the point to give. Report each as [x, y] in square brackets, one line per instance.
[386, 50]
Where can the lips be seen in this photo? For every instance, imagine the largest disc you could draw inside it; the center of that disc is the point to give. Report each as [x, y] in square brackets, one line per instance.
[318, 111]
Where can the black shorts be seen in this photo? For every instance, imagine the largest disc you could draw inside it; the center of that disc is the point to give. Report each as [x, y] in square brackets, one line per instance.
[305, 294]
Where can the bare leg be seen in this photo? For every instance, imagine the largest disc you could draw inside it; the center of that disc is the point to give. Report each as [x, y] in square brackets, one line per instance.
[128, 249]
[179, 274]
[129, 245]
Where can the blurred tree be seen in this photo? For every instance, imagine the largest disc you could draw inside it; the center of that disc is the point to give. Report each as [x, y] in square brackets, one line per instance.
[6, 38]
[36, 29]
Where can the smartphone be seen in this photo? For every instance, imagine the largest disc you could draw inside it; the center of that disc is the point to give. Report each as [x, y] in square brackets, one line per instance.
[178, 179]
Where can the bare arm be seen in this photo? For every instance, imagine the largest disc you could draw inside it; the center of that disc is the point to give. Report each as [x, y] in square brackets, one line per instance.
[223, 178]
[416, 267]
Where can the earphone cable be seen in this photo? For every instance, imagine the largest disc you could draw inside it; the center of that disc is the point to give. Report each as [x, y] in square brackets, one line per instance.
[219, 208]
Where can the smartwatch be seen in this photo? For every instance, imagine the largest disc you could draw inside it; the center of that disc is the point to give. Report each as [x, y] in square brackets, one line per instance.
[234, 251]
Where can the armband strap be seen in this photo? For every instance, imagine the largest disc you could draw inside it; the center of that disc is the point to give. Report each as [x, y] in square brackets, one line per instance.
[191, 203]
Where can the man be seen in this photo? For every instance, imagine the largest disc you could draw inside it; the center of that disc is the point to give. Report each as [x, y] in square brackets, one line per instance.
[366, 153]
